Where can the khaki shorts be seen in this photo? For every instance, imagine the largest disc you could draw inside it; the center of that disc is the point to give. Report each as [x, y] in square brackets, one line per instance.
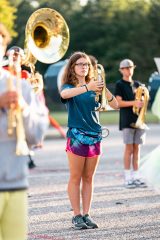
[134, 136]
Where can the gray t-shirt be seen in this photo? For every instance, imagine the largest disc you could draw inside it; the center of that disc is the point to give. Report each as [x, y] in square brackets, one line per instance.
[13, 168]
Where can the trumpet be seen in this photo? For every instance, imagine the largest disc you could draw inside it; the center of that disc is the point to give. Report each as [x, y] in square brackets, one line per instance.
[100, 76]
[15, 118]
[142, 94]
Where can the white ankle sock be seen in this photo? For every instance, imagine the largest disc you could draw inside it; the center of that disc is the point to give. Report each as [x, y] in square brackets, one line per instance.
[127, 175]
[135, 174]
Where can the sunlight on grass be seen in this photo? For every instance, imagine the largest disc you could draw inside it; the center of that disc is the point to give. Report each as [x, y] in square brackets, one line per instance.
[109, 117]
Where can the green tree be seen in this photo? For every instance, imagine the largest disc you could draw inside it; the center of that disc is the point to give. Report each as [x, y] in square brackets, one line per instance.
[7, 16]
[113, 30]
[15, 3]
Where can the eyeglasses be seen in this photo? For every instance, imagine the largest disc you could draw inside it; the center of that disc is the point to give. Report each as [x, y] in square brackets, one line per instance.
[82, 64]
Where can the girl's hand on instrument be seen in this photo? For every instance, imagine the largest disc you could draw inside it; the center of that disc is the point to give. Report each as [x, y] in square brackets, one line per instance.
[95, 86]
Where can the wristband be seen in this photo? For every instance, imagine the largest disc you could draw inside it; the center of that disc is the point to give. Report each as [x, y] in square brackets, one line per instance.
[86, 87]
[110, 100]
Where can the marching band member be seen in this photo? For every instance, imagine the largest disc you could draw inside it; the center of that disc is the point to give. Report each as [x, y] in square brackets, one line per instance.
[84, 135]
[36, 81]
[132, 137]
[14, 168]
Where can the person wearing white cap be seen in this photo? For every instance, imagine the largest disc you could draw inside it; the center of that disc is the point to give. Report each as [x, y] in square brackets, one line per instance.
[132, 137]
[126, 63]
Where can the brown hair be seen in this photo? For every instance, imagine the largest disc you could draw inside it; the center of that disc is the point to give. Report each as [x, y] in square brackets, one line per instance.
[69, 76]
[5, 34]
[94, 61]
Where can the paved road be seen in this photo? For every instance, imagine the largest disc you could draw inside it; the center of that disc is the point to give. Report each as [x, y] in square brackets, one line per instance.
[122, 214]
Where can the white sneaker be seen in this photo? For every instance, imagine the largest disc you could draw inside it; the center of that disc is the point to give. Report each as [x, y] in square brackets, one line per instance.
[140, 183]
[130, 184]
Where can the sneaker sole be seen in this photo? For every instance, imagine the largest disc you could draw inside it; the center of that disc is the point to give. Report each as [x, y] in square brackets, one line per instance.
[91, 227]
[80, 228]
[141, 186]
[130, 187]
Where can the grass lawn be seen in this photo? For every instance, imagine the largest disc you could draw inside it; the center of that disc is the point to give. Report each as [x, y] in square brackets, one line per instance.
[109, 117]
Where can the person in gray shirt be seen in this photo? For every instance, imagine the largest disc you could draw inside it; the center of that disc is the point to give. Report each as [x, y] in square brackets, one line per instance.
[14, 166]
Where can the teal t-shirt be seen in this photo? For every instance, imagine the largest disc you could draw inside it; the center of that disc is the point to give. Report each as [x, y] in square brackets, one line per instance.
[81, 111]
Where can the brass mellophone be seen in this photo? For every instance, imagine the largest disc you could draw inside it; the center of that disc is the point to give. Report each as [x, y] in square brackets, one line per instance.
[142, 94]
[100, 76]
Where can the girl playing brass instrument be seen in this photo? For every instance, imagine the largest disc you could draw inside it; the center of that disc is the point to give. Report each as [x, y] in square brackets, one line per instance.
[84, 134]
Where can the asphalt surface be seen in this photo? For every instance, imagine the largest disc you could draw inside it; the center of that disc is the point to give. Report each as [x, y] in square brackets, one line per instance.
[121, 214]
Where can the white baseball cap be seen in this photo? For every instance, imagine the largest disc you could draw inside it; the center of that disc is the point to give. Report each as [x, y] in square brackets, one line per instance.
[126, 63]
[16, 49]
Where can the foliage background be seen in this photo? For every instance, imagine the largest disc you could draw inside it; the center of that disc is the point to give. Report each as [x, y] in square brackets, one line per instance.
[108, 29]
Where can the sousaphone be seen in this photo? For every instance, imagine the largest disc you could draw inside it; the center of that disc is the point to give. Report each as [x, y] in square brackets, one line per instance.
[46, 37]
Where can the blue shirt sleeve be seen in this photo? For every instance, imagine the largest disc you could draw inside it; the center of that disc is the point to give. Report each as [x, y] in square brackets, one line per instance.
[65, 86]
